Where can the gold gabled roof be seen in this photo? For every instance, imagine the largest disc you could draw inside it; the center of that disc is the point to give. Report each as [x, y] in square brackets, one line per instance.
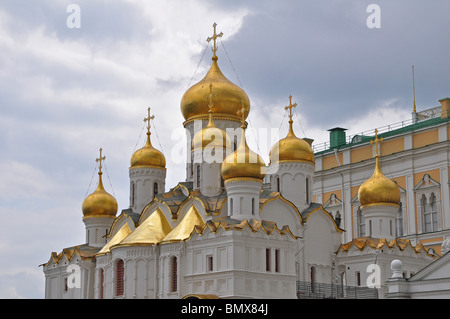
[379, 243]
[183, 231]
[254, 225]
[121, 234]
[85, 252]
[150, 232]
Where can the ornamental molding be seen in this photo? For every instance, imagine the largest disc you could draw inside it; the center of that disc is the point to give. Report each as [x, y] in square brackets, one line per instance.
[147, 171]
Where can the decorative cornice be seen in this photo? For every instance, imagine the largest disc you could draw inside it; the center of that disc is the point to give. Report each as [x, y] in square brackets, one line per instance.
[243, 179]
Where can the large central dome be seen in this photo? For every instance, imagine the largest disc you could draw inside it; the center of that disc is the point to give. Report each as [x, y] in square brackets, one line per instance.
[228, 97]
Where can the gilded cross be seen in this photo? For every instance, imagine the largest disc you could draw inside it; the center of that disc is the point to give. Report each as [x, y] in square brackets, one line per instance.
[100, 159]
[242, 113]
[290, 106]
[147, 119]
[210, 96]
[377, 141]
[214, 38]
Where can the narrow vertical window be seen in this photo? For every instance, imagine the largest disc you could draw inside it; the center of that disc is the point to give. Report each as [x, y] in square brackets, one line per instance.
[278, 183]
[358, 278]
[253, 206]
[174, 271]
[307, 190]
[277, 260]
[399, 222]
[390, 227]
[101, 283]
[119, 277]
[231, 206]
[132, 194]
[210, 263]
[198, 176]
[267, 259]
[155, 189]
[361, 223]
[66, 286]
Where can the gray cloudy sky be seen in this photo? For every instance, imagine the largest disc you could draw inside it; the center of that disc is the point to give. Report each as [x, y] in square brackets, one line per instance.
[64, 93]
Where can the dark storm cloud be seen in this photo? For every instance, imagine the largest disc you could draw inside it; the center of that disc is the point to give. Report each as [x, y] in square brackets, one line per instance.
[324, 54]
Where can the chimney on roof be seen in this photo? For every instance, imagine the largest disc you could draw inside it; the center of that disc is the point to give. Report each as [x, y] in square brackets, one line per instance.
[337, 137]
[445, 108]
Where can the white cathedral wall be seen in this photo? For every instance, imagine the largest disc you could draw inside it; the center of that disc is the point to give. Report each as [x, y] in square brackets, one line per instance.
[282, 214]
[293, 177]
[69, 279]
[142, 181]
[239, 265]
[321, 241]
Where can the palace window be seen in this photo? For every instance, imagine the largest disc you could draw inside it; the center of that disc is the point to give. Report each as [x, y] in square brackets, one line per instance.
[429, 213]
[428, 195]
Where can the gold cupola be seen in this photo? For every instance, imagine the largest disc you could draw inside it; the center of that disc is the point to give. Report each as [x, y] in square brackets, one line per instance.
[100, 203]
[229, 96]
[211, 136]
[243, 162]
[378, 189]
[148, 156]
[291, 148]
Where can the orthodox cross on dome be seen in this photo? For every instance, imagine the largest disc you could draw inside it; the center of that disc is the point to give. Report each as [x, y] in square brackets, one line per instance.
[377, 141]
[210, 96]
[414, 91]
[147, 119]
[290, 107]
[214, 38]
[100, 159]
[241, 112]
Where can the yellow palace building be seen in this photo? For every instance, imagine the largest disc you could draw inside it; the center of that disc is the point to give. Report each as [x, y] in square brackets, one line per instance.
[415, 154]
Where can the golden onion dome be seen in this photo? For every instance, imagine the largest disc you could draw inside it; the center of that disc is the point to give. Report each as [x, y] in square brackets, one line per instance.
[148, 156]
[378, 189]
[229, 98]
[243, 162]
[291, 149]
[100, 203]
[211, 136]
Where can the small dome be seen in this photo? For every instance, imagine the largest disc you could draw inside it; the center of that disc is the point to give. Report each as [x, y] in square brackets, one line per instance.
[243, 162]
[211, 136]
[229, 98]
[291, 149]
[99, 203]
[148, 156]
[379, 189]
